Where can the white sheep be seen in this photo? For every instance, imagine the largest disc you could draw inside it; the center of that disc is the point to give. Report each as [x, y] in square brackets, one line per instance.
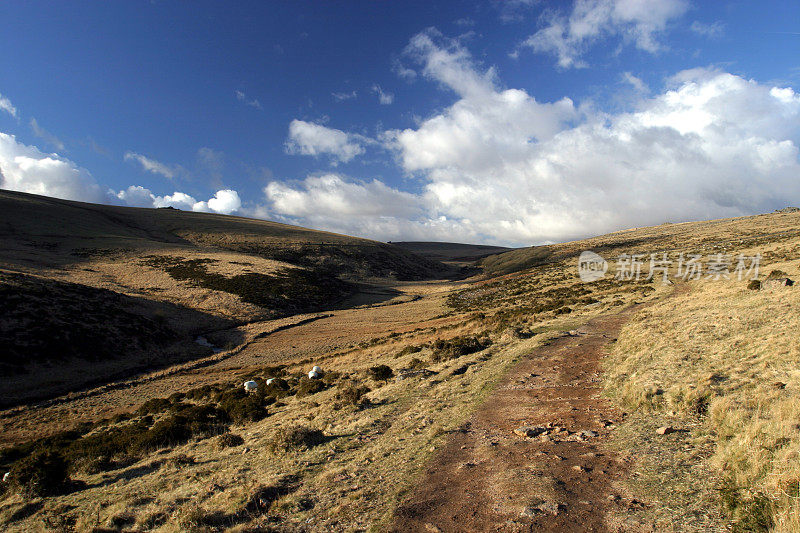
[315, 374]
[270, 381]
[250, 386]
[6, 477]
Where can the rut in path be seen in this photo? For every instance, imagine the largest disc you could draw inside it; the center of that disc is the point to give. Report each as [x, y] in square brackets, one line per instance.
[488, 478]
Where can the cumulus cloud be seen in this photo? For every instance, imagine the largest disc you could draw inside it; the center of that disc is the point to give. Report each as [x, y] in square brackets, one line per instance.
[383, 97]
[308, 138]
[7, 106]
[224, 201]
[26, 169]
[636, 21]
[499, 166]
[485, 126]
[46, 136]
[370, 208]
[252, 102]
[153, 166]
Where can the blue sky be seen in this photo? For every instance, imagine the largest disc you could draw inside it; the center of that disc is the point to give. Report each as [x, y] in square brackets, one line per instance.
[515, 122]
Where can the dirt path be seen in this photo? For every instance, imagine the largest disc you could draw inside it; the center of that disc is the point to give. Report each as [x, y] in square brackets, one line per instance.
[559, 478]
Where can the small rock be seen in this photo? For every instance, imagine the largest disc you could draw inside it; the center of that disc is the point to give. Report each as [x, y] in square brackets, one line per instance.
[588, 433]
[573, 333]
[529, 512]
[665, 430]
[433, 528]
[579, 468]
[551, 507]
[530, 431]
[245, 450]
[613, 498]
[779, 385]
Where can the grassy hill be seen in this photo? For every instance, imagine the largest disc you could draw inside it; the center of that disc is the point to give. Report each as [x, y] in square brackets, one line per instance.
[132, 287]
[451, 252]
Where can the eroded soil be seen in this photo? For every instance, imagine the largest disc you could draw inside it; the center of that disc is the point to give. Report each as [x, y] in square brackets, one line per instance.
[559, 478]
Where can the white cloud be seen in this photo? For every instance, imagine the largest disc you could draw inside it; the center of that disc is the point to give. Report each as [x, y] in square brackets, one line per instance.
[485, 127]
[46, 136]
[7, 106]
[383, 97]
[26, 169]
[342, 96]
[636, 21]
[224, 201]
[252, 102]
[403, 71]
[153, 166]
[637, 84]
[307, 138]
[499, 166]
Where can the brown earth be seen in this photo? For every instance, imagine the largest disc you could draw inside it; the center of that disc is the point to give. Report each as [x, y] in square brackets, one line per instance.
[489, 478]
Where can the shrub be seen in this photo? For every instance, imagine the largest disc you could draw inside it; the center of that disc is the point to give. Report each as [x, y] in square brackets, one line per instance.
[380, 372]
[294, 437]
[279, 388]
[244, 408]
[307, 387]
[154, 406]
[165, 433]
[754, 285]
[351, 394]
[444, 350]
[416, 364]
[229, 440]
[408, 350]
[44, 473]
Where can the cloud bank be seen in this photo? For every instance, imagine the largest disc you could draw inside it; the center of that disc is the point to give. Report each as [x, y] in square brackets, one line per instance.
[499, 166]
[25, 168]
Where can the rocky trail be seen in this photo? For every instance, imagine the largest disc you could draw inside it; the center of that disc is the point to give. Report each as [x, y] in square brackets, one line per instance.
[533, 457]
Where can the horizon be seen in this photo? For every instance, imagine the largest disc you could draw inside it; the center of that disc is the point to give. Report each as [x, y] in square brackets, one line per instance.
[508, 124]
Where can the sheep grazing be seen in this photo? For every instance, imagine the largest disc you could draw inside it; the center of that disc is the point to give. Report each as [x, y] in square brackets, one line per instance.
[315, 373]
[250, 386]
[270, 381]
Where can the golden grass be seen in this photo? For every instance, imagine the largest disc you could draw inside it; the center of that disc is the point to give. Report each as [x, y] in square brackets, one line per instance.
[727, 358]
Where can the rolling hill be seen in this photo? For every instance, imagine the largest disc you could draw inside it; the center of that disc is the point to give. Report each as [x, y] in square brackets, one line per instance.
[120, 289]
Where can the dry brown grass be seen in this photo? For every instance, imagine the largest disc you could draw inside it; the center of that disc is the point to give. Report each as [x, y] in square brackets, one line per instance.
[721, 361]
[375, 451]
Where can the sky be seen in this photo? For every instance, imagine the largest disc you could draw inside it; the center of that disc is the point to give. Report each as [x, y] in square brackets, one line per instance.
[513, 123]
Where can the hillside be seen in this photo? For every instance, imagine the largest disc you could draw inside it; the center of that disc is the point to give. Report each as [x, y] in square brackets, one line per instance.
[513, 398]
[118, 289]
[451, 252]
